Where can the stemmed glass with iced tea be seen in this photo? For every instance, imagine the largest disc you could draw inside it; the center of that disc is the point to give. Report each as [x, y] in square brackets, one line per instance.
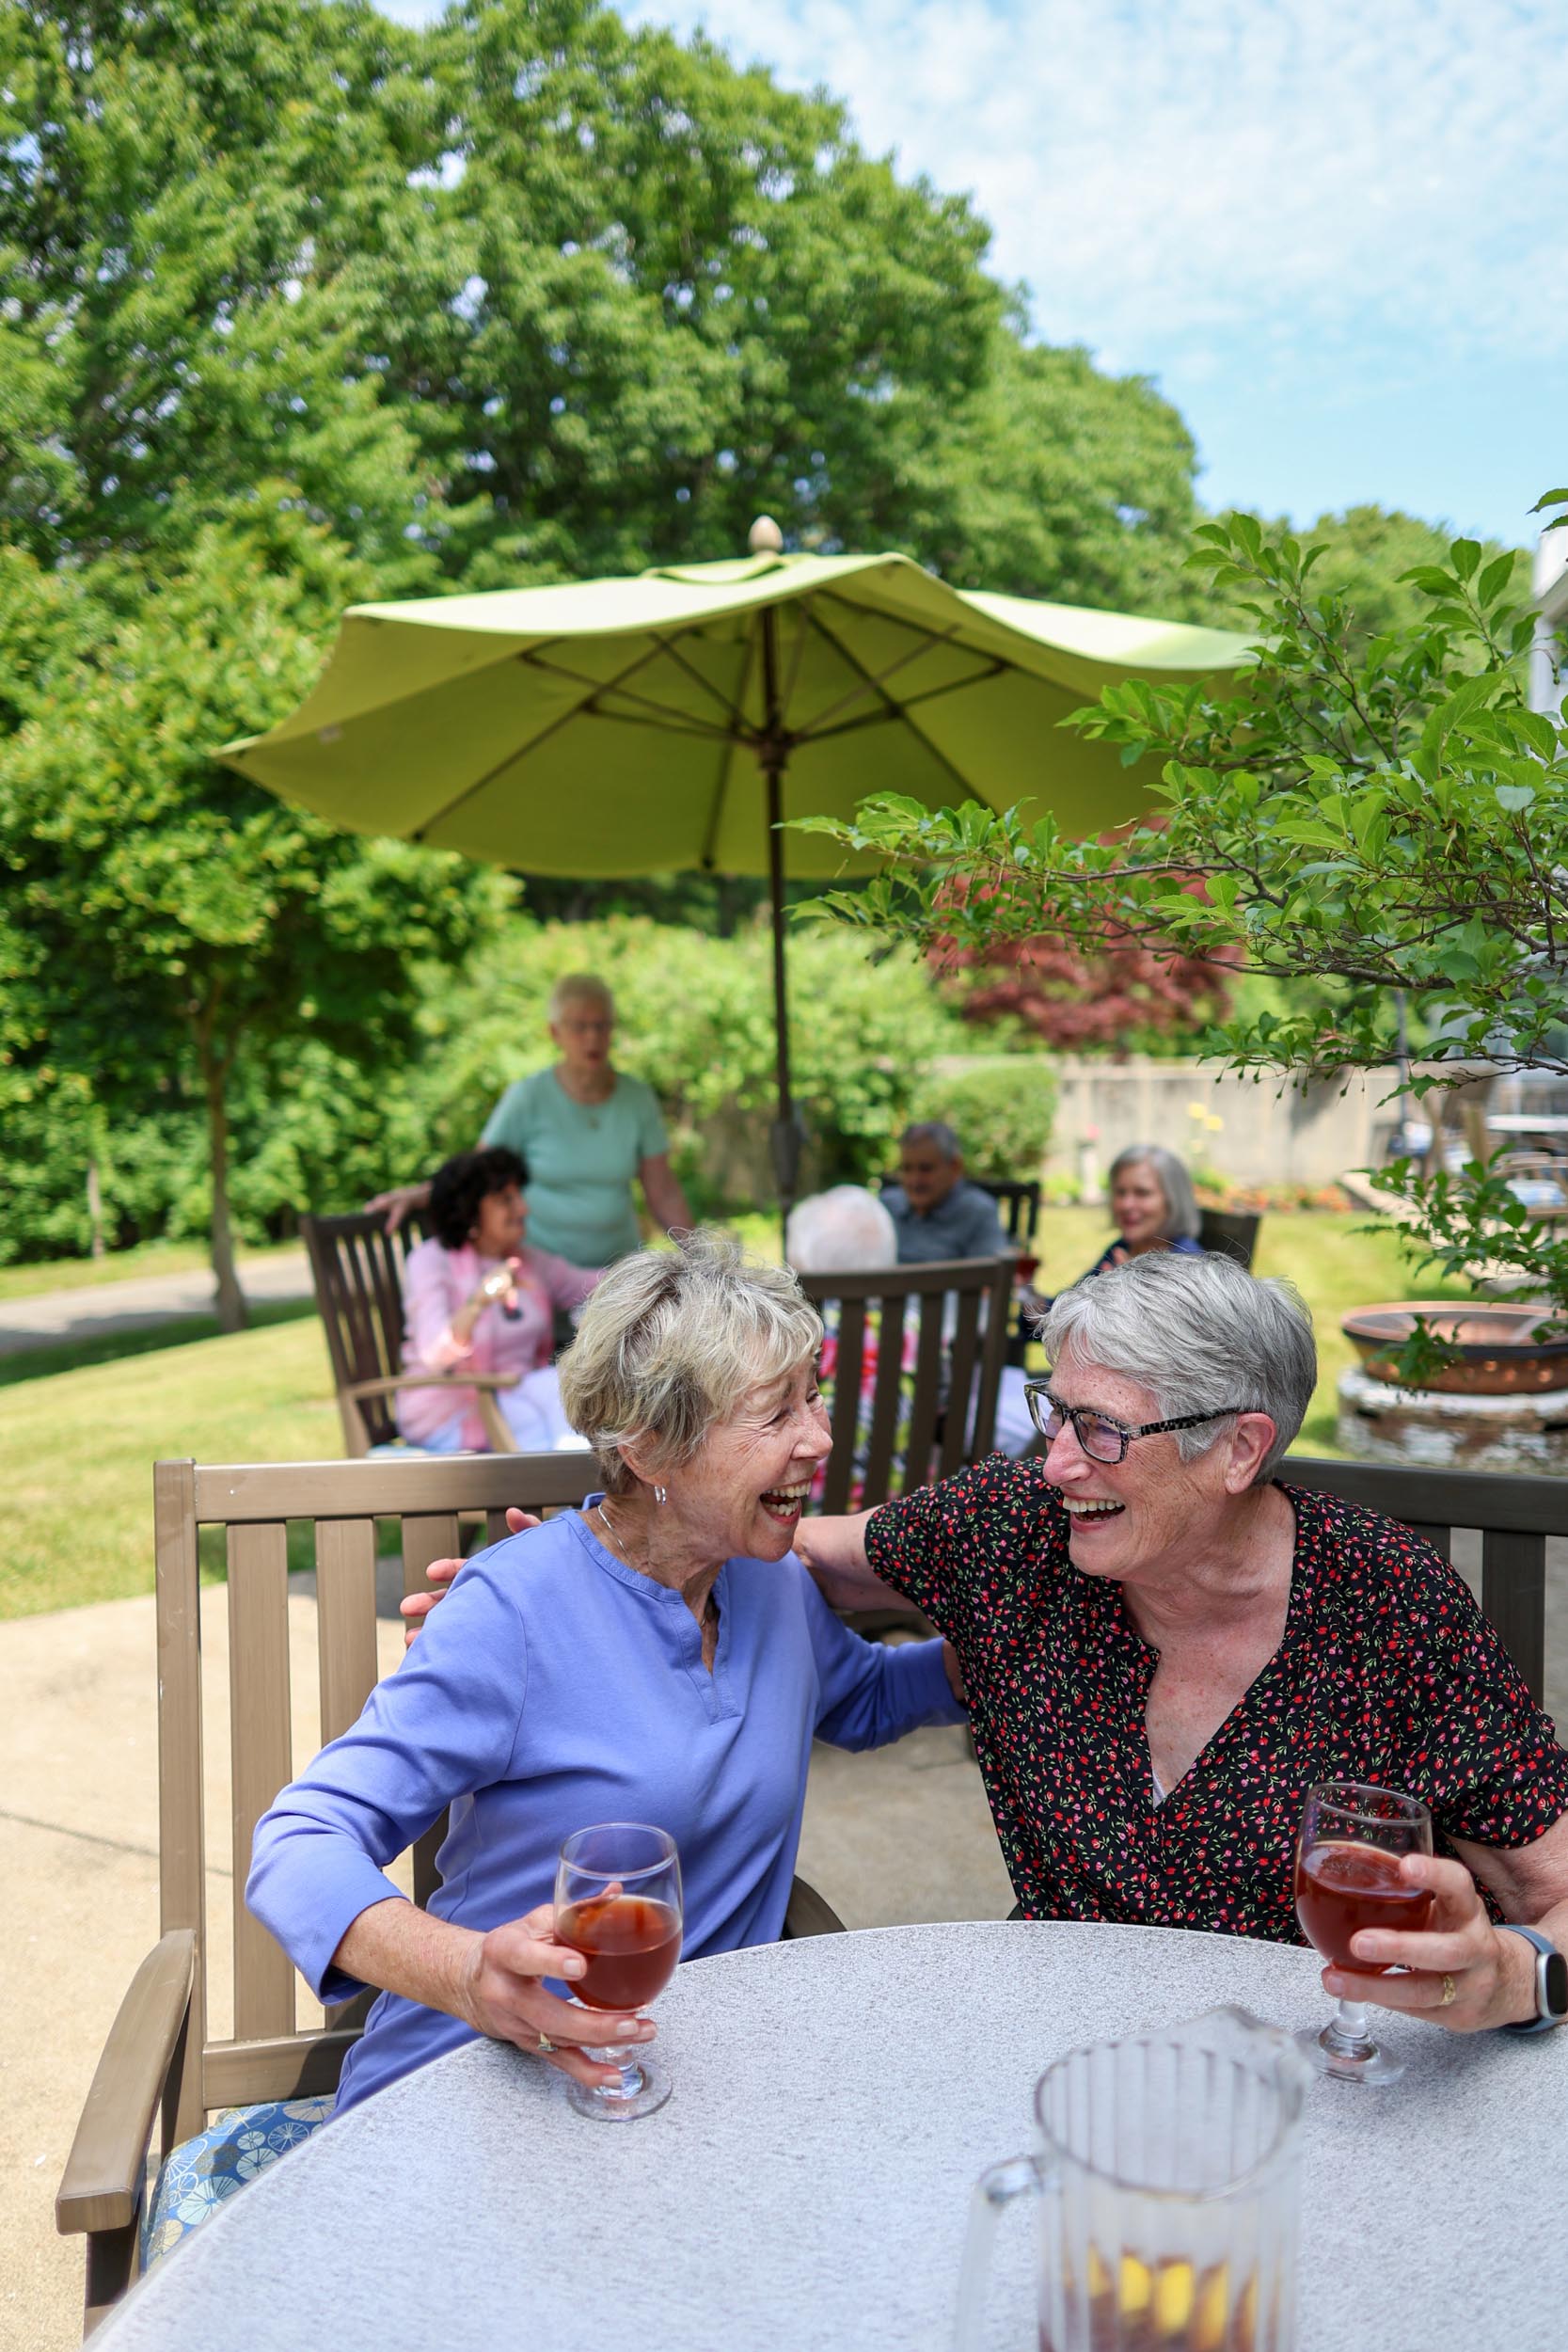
[618, 1902]
[1347, 1878]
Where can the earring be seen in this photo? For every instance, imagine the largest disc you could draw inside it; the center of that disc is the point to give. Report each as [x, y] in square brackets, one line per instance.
[659, 1495]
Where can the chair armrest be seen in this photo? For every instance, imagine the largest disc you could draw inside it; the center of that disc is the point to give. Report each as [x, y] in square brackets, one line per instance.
[102, 2181]
[809, 1913]
[431, 1380]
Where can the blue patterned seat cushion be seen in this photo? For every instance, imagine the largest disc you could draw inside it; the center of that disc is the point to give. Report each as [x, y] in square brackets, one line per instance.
[200, 2173]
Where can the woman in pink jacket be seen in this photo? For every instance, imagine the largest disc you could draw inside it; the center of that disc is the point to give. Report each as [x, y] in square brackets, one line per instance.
[476, 1298]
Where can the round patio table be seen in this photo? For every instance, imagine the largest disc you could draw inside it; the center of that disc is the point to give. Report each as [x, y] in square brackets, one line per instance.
[805, 2188]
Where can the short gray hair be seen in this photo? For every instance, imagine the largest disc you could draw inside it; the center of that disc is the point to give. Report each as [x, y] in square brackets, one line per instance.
[1200, 1334]
[843, 1231]
[580, 988]
[670, 1342]
[1181, 1218]
[935, 1132]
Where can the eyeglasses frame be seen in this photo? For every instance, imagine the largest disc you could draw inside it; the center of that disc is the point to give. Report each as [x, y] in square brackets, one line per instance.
[1032, 1389]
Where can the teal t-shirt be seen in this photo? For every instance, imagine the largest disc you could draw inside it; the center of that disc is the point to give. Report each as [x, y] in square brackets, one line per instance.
[580, 1158]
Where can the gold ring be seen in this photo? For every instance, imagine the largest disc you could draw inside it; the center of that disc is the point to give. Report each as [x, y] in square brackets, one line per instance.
[545, 2045]
[1449, 1988]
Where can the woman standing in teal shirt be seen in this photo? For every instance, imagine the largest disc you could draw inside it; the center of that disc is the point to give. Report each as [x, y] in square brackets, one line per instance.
[584, 1132]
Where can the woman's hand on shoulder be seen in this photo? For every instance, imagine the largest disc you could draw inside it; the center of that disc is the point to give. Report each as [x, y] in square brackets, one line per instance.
[1492, 1973]
[417, 1607]
[499, 1994]
[398, 1202]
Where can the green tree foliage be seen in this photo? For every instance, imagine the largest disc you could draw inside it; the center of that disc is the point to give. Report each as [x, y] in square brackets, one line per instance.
[1002, 1118]
[190, 204]
[1372, 814]
[551, 295]
[164, 924]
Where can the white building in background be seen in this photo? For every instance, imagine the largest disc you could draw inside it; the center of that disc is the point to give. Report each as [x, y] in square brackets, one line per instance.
[1548, 685]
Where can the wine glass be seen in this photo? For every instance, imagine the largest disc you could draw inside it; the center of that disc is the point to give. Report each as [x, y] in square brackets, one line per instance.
[618, 1902]
[1347, 1878]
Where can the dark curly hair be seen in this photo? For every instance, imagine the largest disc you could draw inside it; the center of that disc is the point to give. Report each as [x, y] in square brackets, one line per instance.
[460, 1184]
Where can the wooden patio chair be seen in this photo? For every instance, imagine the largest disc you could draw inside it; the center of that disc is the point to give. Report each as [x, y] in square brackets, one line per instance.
[357, 1266]
[161, 2061]
[957, 1310]
[1228, 1235]
[1019, 1204]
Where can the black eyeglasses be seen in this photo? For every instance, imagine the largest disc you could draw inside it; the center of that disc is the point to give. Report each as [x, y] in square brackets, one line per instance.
[1102, 1439]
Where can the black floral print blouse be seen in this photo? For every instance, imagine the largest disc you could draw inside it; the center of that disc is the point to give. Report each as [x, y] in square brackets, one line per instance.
[1388, 1672]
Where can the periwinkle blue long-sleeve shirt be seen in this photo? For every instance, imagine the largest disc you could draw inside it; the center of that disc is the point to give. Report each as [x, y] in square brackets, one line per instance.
[556, 1687]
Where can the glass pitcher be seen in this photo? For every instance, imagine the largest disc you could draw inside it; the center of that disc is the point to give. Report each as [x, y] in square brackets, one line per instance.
[1166, 2181]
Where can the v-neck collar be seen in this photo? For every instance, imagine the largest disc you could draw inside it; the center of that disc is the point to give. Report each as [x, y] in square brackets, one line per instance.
[685, 1634]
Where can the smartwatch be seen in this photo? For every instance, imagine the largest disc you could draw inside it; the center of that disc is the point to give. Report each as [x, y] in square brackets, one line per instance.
[1551, 1983]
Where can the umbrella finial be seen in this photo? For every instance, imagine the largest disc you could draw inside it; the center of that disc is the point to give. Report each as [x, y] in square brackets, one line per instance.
[764, 537]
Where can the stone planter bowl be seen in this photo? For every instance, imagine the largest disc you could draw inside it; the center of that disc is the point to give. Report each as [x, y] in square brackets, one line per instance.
[1498, 1355]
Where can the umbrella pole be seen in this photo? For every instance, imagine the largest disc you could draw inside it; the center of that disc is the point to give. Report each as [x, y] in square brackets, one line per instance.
[772, 756]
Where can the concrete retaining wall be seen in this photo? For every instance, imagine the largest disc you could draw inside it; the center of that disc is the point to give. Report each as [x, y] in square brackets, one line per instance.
[1253, 1133]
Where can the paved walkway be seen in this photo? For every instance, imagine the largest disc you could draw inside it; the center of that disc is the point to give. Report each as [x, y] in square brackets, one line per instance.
[101, 1308]
[900, 1834]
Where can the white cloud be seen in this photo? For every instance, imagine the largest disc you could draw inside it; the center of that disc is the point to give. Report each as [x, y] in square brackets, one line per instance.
[1172, 177]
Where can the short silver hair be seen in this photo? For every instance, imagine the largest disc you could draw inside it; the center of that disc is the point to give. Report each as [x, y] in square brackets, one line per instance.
[580, 988]
[843, 1231]
[1200, 1334]
[671, 1342]
[937, 1133]
[1181, 1218]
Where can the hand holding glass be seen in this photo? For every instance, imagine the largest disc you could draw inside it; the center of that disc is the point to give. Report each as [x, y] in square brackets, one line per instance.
[1347, 1878]
[618, 1903]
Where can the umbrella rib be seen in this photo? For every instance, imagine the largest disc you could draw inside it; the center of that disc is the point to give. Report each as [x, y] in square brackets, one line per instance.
[716, 807]
[996, 668]
[871, 683]
[732, 710]
[892, 709]
[520, 752]
[661, 712]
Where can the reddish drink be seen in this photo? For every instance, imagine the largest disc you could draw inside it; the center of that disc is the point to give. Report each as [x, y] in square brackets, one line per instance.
[631, 1945]
[1341, 1888]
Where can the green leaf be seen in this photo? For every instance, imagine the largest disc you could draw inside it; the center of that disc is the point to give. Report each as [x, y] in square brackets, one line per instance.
[1464, 555]
[1495, 578]
[1515, 796]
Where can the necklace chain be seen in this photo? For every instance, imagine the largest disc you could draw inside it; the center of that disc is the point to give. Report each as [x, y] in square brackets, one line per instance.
[711, 1607]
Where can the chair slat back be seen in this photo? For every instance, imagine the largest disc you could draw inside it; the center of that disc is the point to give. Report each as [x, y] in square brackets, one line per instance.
[357, 1266]
[920, 1421]
[424, 1505]
[1019, 1204]
[1229, 1233]
[1514, 1517]
[260, 1757]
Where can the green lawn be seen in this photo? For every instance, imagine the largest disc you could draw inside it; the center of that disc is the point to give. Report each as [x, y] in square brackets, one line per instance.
[120, 1265]
[78, 1447]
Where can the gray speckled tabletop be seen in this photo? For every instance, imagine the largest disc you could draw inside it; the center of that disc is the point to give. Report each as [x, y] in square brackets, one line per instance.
[805, 2189]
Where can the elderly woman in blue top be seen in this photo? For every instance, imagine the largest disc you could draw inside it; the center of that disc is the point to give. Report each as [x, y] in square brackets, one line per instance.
[660, 1655]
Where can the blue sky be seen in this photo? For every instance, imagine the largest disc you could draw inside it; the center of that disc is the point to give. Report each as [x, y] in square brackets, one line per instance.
[1333, 231]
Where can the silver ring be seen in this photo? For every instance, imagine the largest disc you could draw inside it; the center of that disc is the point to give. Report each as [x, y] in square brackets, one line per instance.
[1450, 1989]
[544, 2045]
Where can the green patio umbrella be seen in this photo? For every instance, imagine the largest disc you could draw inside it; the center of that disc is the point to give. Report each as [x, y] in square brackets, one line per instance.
[673, 719]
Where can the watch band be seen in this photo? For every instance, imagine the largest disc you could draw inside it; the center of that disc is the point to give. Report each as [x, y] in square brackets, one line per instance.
[1551, 1983]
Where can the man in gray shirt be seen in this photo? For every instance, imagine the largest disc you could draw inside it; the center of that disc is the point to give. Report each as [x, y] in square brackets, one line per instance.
[935, 1212]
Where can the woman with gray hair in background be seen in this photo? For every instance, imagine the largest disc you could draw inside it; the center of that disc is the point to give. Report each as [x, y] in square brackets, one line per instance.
[658, 1656]
[1164, 1645]
[1153, 1205]
[584, 1131]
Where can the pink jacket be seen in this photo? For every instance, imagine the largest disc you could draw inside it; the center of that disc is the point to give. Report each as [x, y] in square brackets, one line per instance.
[435, 1283]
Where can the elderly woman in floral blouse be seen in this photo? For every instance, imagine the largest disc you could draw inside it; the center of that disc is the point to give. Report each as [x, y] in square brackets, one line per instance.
[1164, 1646]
